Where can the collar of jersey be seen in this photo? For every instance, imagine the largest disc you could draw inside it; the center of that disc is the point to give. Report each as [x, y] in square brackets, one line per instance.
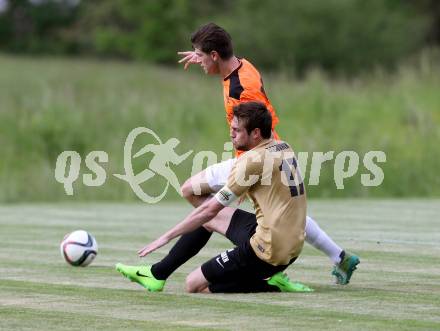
[235, 70]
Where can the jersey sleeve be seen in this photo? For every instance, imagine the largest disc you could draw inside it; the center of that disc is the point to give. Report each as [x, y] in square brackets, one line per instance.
[245, 173]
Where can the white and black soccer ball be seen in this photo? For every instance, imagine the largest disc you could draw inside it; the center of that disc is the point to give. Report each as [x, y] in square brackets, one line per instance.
[79, 248]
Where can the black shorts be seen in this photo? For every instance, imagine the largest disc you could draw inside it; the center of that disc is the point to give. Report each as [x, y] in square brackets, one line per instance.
[239, 266]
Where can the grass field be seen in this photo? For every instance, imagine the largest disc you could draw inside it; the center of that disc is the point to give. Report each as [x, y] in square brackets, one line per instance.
[397, 286]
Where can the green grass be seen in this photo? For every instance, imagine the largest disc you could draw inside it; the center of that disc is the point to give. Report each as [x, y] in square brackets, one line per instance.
[397, 285]
[48, 105]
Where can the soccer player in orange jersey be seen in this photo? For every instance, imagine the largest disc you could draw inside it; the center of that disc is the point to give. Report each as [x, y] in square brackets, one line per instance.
[212, 50]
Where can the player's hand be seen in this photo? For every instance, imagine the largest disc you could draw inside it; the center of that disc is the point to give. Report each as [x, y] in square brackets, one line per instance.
[144, 251]
[189, 57]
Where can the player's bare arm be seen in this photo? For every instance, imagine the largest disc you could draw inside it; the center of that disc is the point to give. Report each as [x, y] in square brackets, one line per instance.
[199, 216]
[189, 57]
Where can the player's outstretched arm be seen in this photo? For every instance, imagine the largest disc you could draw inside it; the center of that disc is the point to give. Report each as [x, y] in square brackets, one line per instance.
[189, 57]
[199, 216]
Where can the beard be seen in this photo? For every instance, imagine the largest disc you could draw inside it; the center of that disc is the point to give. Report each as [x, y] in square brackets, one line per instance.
[241, 147]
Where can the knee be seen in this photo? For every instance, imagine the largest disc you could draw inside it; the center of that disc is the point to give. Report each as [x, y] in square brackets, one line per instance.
[195, 282]
[191, 285]
[187, 189]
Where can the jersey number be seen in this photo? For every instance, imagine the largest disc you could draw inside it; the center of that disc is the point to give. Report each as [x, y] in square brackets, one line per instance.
[286, 166]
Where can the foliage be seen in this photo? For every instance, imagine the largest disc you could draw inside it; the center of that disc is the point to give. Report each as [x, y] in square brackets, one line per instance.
[336, 35]
[38, 28]
[149, 30]
[339, 36]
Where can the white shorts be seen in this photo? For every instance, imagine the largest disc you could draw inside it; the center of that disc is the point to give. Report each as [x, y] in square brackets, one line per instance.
[217, 174]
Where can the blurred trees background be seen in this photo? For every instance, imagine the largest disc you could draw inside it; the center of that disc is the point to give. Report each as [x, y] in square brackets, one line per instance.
[338, 36]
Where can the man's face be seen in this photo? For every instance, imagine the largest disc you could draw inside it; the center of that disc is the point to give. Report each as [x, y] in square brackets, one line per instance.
[239, 135]
[208, 61]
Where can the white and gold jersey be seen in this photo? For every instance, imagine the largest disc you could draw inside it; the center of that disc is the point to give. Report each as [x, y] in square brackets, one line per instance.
[270, 177]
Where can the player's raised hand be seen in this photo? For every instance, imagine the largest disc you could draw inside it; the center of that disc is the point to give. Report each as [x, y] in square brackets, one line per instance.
[189, 57]
[144, 251]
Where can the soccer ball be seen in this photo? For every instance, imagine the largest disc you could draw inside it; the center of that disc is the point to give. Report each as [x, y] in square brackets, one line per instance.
[79, 248]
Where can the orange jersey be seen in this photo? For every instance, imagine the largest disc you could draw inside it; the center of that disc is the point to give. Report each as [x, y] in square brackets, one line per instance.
[242, 85]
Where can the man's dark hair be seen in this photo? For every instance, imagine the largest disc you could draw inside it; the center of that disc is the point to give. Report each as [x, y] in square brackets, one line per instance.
[255, 115]
[211, 37]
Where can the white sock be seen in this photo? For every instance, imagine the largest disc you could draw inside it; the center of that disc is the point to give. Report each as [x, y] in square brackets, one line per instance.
[316, 237]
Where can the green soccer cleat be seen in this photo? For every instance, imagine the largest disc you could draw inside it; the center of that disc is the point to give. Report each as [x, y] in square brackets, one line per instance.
[344, 270]
[141, 275]
[282, 281]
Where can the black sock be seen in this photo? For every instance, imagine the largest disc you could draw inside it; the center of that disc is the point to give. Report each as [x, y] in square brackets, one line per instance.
[185, 248]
